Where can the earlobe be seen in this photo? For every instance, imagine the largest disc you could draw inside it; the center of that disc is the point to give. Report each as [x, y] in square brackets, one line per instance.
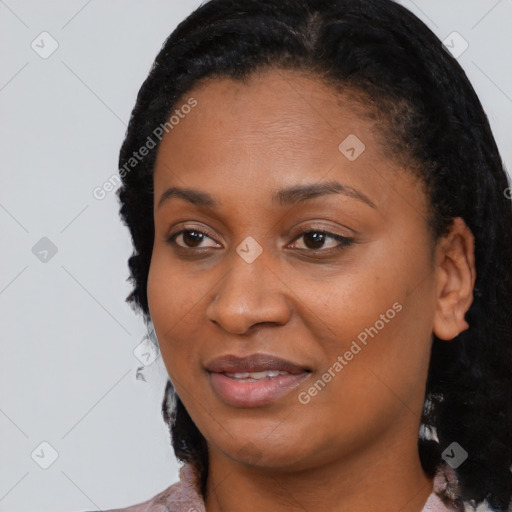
[456, 275]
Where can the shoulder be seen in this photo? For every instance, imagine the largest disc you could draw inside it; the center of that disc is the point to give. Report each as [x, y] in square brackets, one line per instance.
[182, 496]
[444, 497]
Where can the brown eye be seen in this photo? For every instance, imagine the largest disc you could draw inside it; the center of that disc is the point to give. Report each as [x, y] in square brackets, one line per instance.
[315, 240]
[190, 238]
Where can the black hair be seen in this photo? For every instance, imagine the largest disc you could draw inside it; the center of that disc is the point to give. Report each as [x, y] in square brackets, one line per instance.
[404, 76]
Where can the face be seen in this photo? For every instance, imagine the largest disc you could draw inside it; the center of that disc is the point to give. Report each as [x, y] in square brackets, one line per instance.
[336, 279]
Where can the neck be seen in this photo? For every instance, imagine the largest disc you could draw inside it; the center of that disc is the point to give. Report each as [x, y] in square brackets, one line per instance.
[385, 477]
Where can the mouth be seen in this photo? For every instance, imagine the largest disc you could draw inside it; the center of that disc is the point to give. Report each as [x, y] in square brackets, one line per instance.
[254, 381]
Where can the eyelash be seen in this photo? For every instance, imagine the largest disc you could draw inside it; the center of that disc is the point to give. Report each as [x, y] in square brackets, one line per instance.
[343, 240]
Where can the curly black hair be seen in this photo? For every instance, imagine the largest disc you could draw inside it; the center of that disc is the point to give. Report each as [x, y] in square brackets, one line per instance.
[432, 119]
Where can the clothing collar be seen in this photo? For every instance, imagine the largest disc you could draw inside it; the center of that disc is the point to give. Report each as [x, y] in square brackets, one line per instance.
[185, 495]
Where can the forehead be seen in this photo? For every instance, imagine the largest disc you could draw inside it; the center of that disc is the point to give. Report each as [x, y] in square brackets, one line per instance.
[277, 128]
[282, 110]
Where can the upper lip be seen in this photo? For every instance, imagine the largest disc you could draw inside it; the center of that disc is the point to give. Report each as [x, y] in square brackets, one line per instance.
[230, 363]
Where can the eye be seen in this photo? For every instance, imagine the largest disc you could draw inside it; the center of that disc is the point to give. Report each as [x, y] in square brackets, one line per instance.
[315, 240]
[190, 238]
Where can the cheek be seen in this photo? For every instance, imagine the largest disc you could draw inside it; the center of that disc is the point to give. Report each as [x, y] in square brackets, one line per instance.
[173, 296]
[172, 308]
[161, 293]
[349, 301]
[376, 323]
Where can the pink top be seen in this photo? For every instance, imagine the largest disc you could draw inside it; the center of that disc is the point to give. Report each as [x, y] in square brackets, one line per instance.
[184, 496]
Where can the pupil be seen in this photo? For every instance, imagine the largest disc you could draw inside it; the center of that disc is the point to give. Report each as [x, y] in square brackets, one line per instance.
[194, 236]
[318, 239]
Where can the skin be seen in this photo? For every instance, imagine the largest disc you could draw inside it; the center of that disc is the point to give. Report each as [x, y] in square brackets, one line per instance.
[353, 446]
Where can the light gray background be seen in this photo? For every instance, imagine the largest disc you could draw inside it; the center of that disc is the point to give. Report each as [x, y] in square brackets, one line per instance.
[68, 373]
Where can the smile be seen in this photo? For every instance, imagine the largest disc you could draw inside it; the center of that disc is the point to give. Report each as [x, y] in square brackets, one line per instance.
[254, 389]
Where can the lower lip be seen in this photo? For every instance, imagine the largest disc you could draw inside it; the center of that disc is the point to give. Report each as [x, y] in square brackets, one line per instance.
[257, 393]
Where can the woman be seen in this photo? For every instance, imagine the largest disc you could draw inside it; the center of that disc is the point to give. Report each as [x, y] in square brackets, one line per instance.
[322, 241]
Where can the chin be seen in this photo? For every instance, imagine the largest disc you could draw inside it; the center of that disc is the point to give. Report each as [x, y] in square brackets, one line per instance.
[269, 457]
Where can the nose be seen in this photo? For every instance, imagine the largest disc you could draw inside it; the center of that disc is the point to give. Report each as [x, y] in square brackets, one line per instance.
[250, 294]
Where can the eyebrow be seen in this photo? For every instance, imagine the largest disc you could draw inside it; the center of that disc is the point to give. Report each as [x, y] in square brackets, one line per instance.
[283, 197]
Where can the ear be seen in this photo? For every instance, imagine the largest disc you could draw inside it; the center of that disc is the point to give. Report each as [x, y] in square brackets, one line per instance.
[456, 274]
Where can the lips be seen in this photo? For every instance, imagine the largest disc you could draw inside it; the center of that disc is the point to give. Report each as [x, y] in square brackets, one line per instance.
[255, 380]
[253, 363]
